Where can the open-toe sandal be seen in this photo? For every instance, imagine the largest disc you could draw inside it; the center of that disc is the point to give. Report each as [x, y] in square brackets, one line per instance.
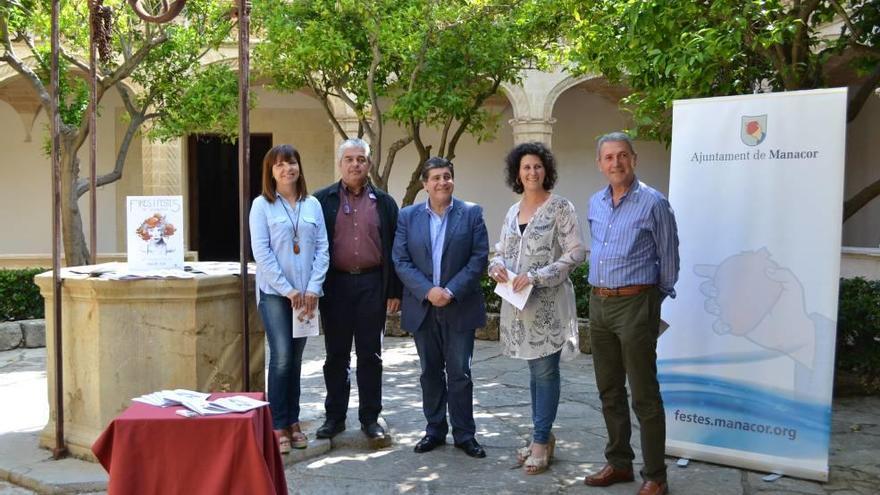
[283, 441]
[537, 465]
[299, 440]
[522, 454]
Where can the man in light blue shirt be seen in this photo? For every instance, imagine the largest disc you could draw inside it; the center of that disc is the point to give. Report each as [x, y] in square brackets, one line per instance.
[634, 265]
[440, 251]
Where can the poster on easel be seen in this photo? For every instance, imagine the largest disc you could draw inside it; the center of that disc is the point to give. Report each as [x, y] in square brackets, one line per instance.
[154, 232]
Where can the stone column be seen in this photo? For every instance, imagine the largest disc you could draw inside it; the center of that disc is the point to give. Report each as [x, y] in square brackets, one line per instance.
[162, 167]
[533, 100]
[525, 130]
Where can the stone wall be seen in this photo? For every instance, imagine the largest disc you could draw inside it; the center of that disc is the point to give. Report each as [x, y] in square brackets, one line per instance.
[24, 333]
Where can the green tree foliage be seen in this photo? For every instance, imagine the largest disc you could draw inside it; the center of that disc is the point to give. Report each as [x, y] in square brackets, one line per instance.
[680, 49]
[156, 69]
[418, 63]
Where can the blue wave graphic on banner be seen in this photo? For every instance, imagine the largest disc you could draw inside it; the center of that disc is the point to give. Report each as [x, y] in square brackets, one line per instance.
[742, 416]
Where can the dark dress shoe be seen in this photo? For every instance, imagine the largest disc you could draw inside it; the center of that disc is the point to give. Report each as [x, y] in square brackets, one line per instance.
[427, 444]
[330, 428]
[654, 488]
[472, 448]
[373, 431]
[608, 476]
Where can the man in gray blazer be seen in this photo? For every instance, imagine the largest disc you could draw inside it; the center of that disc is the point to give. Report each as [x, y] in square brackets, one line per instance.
[440, 251]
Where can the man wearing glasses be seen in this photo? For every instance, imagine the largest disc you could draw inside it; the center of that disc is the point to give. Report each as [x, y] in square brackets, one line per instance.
[361, 287]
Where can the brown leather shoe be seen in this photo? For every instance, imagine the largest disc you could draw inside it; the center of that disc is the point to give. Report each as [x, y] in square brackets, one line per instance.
[654, 488]
[608, 476]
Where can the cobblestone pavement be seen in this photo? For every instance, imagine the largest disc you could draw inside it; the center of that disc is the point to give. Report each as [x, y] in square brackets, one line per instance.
[502, 411]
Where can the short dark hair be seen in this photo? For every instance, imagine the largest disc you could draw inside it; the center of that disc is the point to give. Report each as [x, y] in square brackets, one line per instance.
[286, 153]
[436, 162]
[515, 156]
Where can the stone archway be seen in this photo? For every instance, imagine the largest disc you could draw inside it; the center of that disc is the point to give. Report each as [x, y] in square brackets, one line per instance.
[533, 102]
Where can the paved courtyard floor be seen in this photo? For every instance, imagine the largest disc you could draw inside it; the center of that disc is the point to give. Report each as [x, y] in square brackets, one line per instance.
[348, 465]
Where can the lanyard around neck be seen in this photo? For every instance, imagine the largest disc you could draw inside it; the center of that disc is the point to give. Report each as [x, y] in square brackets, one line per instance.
[295, 224]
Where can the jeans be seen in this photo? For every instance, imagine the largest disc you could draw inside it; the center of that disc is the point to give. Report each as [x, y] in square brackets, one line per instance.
[544, 385]
[285, 359]
[445, 356]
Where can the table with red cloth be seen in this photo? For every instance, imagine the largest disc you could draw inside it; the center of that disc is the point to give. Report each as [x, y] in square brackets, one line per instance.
[149, 449]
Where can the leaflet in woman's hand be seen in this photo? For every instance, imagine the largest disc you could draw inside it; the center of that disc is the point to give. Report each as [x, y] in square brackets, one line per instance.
[306, 325]
[517, 299]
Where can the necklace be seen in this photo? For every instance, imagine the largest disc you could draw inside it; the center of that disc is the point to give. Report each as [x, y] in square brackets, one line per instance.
[295, 224]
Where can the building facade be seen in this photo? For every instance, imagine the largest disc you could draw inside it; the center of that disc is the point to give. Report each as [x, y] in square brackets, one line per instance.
[568, 113]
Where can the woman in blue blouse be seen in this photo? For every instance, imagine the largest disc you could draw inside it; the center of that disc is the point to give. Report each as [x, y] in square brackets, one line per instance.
[289, 241]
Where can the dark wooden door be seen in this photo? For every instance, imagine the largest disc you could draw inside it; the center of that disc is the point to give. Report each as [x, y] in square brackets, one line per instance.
[213, 193]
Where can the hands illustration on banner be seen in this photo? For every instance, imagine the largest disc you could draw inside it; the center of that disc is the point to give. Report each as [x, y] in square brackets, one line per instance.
[755, 298]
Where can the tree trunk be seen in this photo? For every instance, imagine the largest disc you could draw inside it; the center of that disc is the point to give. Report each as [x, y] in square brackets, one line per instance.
[415, 180]
[76, 252]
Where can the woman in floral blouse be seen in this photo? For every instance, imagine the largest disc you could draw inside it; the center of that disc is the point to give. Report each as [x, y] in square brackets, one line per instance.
[540, 244]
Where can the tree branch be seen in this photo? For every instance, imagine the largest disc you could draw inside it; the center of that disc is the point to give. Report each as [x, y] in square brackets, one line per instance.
[869, 51]
[414, 132]
[800, 35]
[856, 34]
[375, 136]
[392, 153]
[863, 93]
[863, 197]
[128, 66]
[325, 102]
[138, 117]
[782, 67]
[73, 60]
[412, 189]
[19, 66]
[444, 134]
[478, 102]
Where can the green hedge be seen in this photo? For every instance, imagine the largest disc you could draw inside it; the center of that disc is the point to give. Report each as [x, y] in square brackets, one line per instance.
[858, 333]
[20, 298]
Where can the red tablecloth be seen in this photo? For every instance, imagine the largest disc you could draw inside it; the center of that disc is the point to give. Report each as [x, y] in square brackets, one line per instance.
[149, 449]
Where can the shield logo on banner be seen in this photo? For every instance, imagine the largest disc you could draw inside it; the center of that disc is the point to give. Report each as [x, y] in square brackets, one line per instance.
[753, 129]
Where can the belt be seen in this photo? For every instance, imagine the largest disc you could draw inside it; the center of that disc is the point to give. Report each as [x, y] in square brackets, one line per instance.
[359, 271]
[628, 290]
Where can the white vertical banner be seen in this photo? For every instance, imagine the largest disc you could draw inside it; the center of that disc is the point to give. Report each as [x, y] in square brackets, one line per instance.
[746, 366]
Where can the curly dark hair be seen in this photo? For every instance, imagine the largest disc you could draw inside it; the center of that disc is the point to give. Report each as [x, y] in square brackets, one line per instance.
[511, 168]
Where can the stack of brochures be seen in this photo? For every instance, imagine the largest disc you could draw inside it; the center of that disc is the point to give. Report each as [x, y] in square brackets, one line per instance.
[166, 398]
[198, 402]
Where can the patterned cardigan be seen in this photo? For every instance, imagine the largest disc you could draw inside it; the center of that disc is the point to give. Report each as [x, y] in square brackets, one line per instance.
[549, 249]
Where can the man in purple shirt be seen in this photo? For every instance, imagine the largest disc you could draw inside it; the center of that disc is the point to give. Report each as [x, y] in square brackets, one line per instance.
[361, 287]
[633, 266]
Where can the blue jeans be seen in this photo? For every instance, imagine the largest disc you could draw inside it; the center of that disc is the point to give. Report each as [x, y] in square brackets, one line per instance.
[544, 385]
[285, 359]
